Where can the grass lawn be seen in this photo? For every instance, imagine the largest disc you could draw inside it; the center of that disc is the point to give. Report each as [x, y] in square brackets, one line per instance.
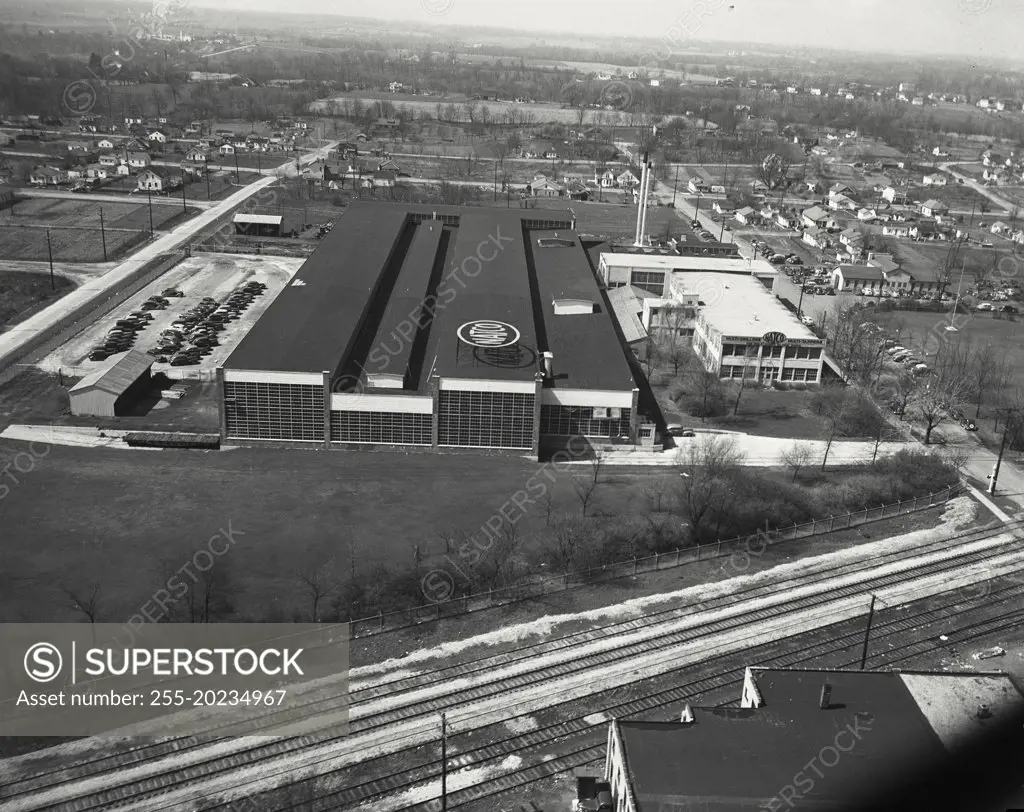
[84, 516]
[21, 294]
[764, 412]
[960, 198]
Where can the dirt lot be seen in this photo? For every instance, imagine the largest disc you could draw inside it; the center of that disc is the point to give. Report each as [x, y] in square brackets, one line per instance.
[213, 275]
[75, 228]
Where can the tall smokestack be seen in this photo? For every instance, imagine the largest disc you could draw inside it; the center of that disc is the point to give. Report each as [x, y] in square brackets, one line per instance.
[640, 207]
[643, 202]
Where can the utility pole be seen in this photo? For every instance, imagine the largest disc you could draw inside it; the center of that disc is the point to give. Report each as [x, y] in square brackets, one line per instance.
[495, 182]
[867, 634]
[444, 762]
[207, 173]
[800, 304]
[236, 166]
[149, 196]
[49, 251]
[103, 235]
[184, 204]
[675, 186]
[1002, 447]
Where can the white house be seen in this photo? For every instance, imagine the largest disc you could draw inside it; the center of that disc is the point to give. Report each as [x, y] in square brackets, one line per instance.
[139, 160]
[157, 136]
[626, 180]
[900, 230]
[894, 195]
[935, 180]
[934, 208]
[96, 172]
[109, 159]
[105, 143]
[746, 215]
[154, 179]
[722, 207]
[999, 227]
[815, 217]
[866, 215]
[226, 149]
[606, 179]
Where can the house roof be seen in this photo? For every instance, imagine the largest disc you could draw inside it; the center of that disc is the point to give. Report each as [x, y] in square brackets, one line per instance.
[257, 219]
[745, 211]
[117, 376]
[934, 205]
[815, 213]
[160, 171]
[850, 271]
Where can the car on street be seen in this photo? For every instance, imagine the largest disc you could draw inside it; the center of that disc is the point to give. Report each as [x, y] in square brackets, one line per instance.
[677, 430]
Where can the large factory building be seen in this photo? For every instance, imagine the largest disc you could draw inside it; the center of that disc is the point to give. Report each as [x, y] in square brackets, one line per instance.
[434, 327]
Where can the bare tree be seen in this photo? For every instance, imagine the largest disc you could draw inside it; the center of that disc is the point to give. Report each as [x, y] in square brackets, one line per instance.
[567, 547]
[318, 582]
[586, 484]
[705, 466]
[741, 385]
[85, 599]
[986, 373]
[797, 457]
[709, 390]
[835, 415]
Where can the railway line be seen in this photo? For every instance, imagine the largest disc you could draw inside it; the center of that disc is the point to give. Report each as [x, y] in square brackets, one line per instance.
[170, 774]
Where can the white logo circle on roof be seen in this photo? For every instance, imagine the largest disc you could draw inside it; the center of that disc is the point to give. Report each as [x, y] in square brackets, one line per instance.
[489, 335]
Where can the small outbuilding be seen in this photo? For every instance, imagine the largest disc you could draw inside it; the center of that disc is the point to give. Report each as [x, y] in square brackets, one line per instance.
[105, 392]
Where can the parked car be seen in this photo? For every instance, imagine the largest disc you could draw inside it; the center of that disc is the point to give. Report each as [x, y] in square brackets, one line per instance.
[676, 430]
[99, 354]
[174, 292]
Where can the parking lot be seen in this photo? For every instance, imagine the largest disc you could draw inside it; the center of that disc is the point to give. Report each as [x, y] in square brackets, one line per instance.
[213, 276]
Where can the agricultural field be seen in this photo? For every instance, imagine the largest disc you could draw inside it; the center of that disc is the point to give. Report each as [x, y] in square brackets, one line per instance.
[75, 228]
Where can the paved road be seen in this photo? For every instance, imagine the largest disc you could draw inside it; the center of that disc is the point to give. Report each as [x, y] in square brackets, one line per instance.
[99, 197]
[1002, 203]
[12, 341]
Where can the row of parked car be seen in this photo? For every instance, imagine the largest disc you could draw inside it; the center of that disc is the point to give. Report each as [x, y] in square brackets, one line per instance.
[121, 337]
[194, 334]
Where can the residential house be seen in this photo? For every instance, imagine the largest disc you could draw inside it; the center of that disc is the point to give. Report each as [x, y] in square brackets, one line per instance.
[895, 196]
[157, 137]
[75, 172]
[606, 179]
[939, 152]
[718, 190]
[550, 154]
[96, 172]
[995, 175]
[389, 165]
[988, 158]
[999, 227]
[928, 230]
[138, 160]
[899, 230]
[122, 170]
[78, 146]
[723, 207]
[109, 159]
[577, 190]
[154, 179]
[842, 203]
[396, 87]
[840, 189]
[852, 238]
[384, 179]
[935, 180]
[542, 187]
[696, 186]
[815, 217]
[816, 237]
[226, 149]
[626, 180]
[746, 215]
[47, 176]
[787, 220]
[197, 155]
[105, 143]
[917, 101]
[866, 215]
[934, 208]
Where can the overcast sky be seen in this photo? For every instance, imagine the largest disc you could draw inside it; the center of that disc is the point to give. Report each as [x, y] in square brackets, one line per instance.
[966, 27]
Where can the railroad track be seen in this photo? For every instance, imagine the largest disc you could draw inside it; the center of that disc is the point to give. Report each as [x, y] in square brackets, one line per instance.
[161, 779]
[583, 742]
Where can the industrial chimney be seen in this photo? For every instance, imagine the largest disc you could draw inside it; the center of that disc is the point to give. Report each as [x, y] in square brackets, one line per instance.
[640, 207]
[644, 193]
[826, 696]
[549, 365]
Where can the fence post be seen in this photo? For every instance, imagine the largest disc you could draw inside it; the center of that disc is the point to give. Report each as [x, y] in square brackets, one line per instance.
[865, 513]
[899, 506]
[657, 561]
[812, 526]
[915, 503]
[831, 522]
[634, 566]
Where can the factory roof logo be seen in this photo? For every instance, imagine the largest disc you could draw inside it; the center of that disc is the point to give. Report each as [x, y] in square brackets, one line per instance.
[488, 334]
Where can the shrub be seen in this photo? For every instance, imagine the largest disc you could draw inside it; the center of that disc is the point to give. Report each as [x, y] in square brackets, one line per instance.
[715, 406]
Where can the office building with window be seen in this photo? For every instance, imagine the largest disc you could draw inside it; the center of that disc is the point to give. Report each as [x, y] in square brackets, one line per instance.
[434, 327]
[654, 268]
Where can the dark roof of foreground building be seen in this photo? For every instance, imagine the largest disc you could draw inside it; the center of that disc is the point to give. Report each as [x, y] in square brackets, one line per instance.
[388, 289]
[896, 725]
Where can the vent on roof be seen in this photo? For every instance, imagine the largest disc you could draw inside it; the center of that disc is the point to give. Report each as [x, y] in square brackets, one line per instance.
[984, 712]
[554, 242]
[687, 716]
[298, 283]
[573, 307]
[826, 696]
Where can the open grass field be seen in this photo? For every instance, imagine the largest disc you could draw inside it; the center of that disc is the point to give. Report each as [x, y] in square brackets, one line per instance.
[21, 294]
[75, 228]
[957, 197]
[110, 517]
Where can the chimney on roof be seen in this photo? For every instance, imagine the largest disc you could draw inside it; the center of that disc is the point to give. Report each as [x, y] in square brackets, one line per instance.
[826, 696]
[549, 365]
[984, 712]
[687, 716]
